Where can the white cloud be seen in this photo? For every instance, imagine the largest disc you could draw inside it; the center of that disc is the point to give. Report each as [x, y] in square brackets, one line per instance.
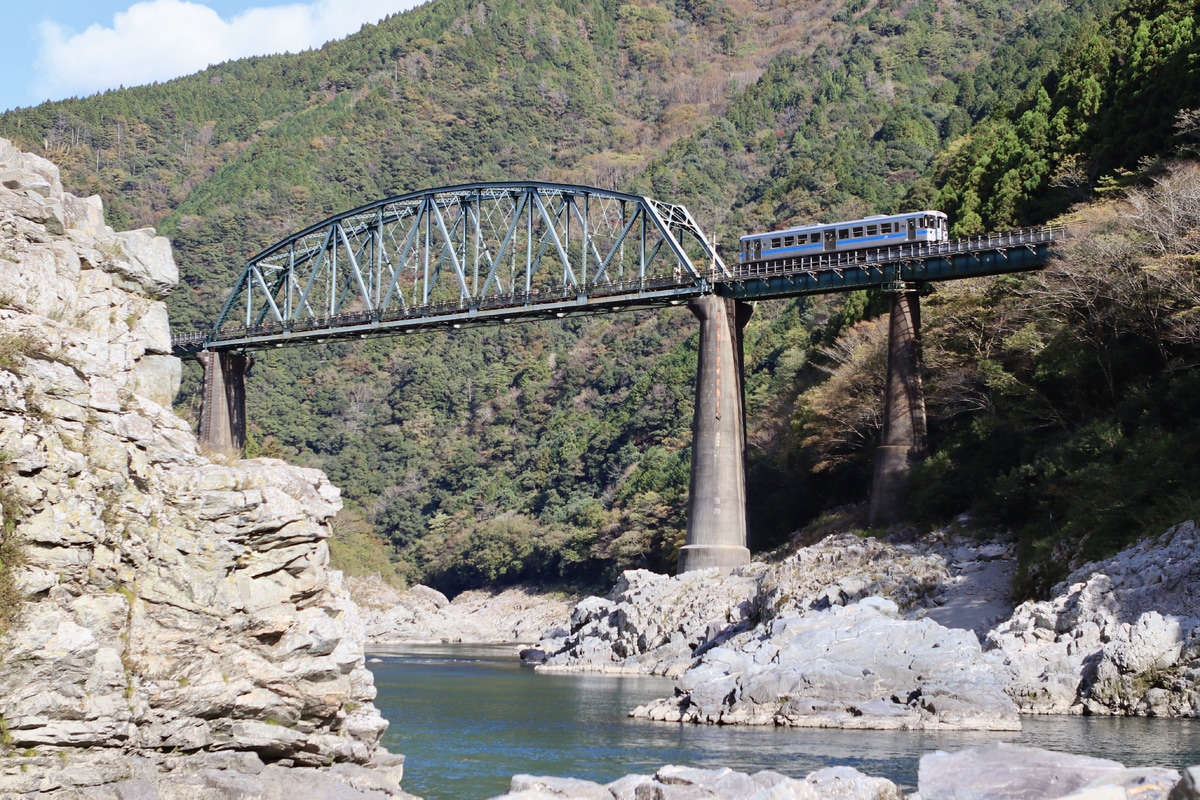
[157, 40]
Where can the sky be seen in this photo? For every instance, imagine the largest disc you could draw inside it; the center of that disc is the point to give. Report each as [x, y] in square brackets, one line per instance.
[55, 49]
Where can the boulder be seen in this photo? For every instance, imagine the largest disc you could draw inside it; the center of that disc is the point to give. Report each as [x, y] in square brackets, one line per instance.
[657, 624]
[1005, 771]
[857, 666]
[673, 782]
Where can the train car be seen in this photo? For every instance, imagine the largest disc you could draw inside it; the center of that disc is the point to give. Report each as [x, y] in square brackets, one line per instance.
[877, 231]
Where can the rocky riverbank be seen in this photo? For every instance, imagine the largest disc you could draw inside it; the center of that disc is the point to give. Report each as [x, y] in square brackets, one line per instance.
[861, 633]
[1121, 636]
[422, 615]
[172, 603]
[995, 772]
[839, 634]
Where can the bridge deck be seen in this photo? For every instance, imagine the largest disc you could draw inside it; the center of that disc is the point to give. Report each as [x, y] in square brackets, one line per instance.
[893, 267]
[890, 267]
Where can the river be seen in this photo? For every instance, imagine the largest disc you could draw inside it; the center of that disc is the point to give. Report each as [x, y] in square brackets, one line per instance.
[469, 717]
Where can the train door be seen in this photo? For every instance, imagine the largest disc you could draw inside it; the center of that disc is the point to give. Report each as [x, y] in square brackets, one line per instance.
[758, 249]
[830, 240]
[911, 223]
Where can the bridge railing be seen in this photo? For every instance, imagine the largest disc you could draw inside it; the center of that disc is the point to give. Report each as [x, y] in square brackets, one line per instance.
[1023, 237]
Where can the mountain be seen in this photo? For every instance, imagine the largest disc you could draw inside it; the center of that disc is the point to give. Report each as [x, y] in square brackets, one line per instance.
[560, 450]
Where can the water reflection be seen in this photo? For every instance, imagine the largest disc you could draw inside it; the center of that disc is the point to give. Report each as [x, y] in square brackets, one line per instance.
[468, 717]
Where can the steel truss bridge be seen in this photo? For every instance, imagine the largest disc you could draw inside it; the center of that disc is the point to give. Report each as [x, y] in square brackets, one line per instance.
[489, 253]
[464, 255]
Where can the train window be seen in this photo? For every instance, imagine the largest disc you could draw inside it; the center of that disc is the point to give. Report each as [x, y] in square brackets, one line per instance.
[858, 233]
[776, 243]
[872, 230]
[814, 238]
[885, 227]
[788, 241]
[844, 233]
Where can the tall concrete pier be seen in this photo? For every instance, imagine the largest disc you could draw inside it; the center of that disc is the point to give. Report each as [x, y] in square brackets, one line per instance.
[716, 527]
[223, 401]
[904, 441]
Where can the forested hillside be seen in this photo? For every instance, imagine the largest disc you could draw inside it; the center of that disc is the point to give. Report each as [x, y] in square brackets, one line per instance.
[560, 450]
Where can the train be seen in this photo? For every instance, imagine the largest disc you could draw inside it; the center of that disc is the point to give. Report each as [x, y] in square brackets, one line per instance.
[878, 231]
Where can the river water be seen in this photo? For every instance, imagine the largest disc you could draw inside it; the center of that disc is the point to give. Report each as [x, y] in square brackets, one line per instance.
[469, 717]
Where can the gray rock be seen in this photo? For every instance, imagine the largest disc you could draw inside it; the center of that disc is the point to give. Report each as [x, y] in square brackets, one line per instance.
[850, 784]
[523, 785]
[657, 624]
[422, 614]
[1119, 637]
[141, 260]
[856, 666]
[175, 603]
[1145, 784]
[1004, 771]
[674, 782]
[157, 378]
[1188, 787]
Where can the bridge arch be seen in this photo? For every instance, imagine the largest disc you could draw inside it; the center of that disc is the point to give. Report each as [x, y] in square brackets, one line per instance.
[463, 255]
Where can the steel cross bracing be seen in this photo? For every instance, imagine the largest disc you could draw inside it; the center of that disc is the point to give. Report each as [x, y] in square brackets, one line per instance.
[465, 255]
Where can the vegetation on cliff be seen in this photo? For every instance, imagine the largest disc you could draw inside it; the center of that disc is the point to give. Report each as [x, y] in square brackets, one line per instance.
[560, 450]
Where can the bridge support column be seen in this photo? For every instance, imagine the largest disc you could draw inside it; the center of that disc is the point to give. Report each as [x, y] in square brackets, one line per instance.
[716, 519]
[904, 434]
[223, 400]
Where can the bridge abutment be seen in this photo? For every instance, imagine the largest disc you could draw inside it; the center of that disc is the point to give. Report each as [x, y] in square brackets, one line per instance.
[223, 400]
[904, 440]
[716, 519]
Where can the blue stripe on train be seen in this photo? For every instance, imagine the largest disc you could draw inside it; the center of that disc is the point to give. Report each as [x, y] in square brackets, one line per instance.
[819, 247]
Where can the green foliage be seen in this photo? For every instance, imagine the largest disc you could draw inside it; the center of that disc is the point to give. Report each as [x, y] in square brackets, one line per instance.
[1070, 413]
[356, 550]
[12, 554]
[1110, 103]
[559, 451]
[15, 348]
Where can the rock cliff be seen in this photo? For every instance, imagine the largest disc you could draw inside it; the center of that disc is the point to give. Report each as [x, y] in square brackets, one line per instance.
[171, 602]
[1121, 636]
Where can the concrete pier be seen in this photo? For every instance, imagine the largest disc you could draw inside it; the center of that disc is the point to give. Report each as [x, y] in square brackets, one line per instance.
[904, 440]
[223, 401]
[716, 527]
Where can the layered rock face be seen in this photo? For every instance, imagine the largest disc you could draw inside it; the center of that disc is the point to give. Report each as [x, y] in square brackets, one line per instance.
[173, 602]
[815, 640]
[1121, 636]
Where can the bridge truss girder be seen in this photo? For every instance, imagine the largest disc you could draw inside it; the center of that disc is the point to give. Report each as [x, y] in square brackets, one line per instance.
[466, 254]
